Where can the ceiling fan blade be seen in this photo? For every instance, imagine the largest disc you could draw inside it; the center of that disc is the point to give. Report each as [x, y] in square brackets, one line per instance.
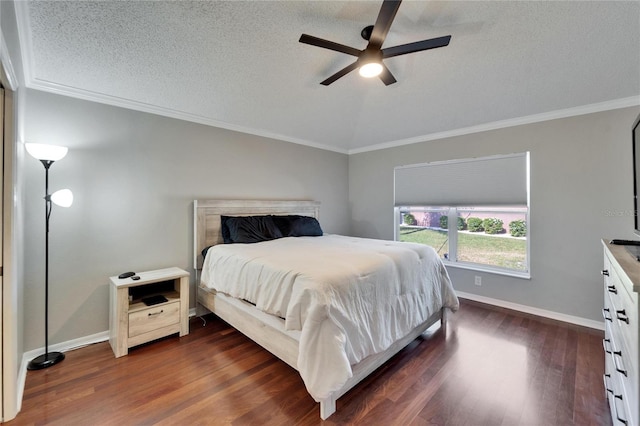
[417, 46]
[344, 71]
[326, 44]
[383, 23]
[386, 76]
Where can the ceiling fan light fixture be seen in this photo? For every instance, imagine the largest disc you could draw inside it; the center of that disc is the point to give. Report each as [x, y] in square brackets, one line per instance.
[371, 69]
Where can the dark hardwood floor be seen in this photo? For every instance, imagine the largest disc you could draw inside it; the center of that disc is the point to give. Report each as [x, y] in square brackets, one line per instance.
[489, 367]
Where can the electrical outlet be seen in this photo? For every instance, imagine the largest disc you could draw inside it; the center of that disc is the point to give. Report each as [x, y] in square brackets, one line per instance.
[478, 280]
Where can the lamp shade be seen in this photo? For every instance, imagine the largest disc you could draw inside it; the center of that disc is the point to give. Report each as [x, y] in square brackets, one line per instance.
[62, 198]
[46, 152]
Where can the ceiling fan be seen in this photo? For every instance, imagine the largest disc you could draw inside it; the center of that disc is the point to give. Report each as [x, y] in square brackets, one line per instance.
[370, 59]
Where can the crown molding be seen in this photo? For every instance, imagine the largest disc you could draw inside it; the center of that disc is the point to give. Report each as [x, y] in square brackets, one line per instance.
[59, 89]
[47, 86]
[536, 118]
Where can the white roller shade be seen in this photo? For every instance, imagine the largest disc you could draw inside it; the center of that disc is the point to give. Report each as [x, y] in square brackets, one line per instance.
[498, 180]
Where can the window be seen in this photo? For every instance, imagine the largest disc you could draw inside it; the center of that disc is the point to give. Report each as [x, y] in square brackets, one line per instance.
[474, 212]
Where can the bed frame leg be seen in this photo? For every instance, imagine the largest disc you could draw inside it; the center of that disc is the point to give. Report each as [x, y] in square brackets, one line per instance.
[327, 408]
[443, 320]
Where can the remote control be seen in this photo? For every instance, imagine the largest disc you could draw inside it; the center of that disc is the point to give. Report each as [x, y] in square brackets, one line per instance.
[126, 275]
[625, 242]
[154, 300]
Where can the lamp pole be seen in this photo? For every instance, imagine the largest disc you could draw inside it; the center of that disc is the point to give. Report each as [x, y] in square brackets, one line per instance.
[49, 358]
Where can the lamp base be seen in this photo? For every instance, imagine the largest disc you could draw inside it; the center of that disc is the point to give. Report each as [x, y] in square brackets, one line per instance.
[45, 360]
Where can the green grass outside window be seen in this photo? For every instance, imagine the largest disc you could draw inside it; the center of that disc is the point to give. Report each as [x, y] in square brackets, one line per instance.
[503, 252]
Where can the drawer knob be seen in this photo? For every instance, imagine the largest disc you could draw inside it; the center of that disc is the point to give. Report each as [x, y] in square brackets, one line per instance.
[606, 345]
[155, 313]
[605, 314]
[605, 272]
[612, 289]
[622, 316]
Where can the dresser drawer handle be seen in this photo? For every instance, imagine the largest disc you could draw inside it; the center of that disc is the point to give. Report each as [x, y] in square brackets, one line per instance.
[606, 345]
[617, 355]
[155, 313]
[605, 272]
[612, 289]
[615, 405]
[606, 311]
[622, 316]
[605, 379]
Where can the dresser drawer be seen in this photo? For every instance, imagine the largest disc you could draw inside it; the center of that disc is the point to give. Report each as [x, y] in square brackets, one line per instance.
[625, 303]
[153, 318]
[618, 400]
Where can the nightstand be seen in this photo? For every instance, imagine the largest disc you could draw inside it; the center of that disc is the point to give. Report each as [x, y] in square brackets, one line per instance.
[133, 322]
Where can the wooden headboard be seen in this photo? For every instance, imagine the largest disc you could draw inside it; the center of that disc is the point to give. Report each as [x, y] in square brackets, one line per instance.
[206, 218]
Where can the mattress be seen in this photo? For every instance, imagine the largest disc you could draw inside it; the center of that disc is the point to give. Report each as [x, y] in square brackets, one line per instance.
[349, 297]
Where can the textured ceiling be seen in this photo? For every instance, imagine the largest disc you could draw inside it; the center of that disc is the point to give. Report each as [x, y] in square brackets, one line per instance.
[239, 65]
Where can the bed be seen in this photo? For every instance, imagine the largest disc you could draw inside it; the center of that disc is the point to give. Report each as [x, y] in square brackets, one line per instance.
[315, 322]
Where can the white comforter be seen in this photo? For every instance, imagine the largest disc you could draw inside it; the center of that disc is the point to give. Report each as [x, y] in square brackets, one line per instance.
[349, 297]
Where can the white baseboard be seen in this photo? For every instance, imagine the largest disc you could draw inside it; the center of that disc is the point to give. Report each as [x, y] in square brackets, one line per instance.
[534, 311]
[68, 345]
[58, 347]
[62, 347]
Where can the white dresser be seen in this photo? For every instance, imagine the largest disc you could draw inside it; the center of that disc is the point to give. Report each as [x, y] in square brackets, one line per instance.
[621, 287]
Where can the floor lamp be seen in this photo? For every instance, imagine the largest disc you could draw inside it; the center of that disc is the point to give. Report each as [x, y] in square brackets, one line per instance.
[48, 154]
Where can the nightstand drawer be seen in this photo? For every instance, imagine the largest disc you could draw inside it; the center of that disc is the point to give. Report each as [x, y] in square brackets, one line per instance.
[153, 318]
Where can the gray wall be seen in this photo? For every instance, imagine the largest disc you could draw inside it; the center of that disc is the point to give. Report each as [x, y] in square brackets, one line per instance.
[134, 177]
[581, 191]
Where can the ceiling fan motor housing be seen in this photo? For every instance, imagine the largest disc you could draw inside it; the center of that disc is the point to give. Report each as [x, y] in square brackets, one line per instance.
[366, 32]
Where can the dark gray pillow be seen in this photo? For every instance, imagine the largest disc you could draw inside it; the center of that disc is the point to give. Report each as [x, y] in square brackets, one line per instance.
[298, 226]
[224, 229]
[205, 251]
[249, 229]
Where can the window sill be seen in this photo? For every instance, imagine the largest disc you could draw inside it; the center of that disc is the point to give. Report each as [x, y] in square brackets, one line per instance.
[480, 268]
